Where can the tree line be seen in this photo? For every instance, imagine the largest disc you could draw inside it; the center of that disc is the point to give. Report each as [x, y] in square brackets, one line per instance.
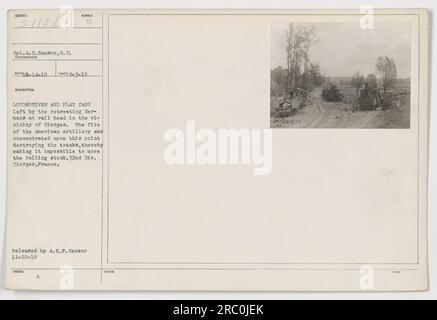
[300, 72]
[386, 70]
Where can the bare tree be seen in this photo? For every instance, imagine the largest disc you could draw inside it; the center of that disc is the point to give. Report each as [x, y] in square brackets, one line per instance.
[299, 41]
[291, 34]
[289, 50]
[386, 69]
[309, 38]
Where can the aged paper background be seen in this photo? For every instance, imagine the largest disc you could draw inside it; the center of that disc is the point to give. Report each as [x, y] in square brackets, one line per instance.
[336, 200]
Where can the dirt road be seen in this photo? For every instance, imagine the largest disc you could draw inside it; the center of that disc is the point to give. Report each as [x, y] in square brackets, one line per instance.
[319, 113]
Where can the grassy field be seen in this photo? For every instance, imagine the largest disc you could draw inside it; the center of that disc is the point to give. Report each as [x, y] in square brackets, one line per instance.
[397, 118]
[343, 114]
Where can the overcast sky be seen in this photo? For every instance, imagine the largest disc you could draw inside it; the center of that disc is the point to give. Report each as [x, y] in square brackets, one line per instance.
[344, 48]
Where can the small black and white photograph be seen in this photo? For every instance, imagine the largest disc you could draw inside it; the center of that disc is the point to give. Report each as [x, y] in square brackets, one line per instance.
[340, 75]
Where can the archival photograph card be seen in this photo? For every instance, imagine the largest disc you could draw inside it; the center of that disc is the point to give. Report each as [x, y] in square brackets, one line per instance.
[217, 150]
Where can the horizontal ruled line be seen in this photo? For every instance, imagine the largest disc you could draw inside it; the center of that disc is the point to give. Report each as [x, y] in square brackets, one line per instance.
[33, 60]
[54, 43]
[65, 28]
[219, 269]
[91, 76]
